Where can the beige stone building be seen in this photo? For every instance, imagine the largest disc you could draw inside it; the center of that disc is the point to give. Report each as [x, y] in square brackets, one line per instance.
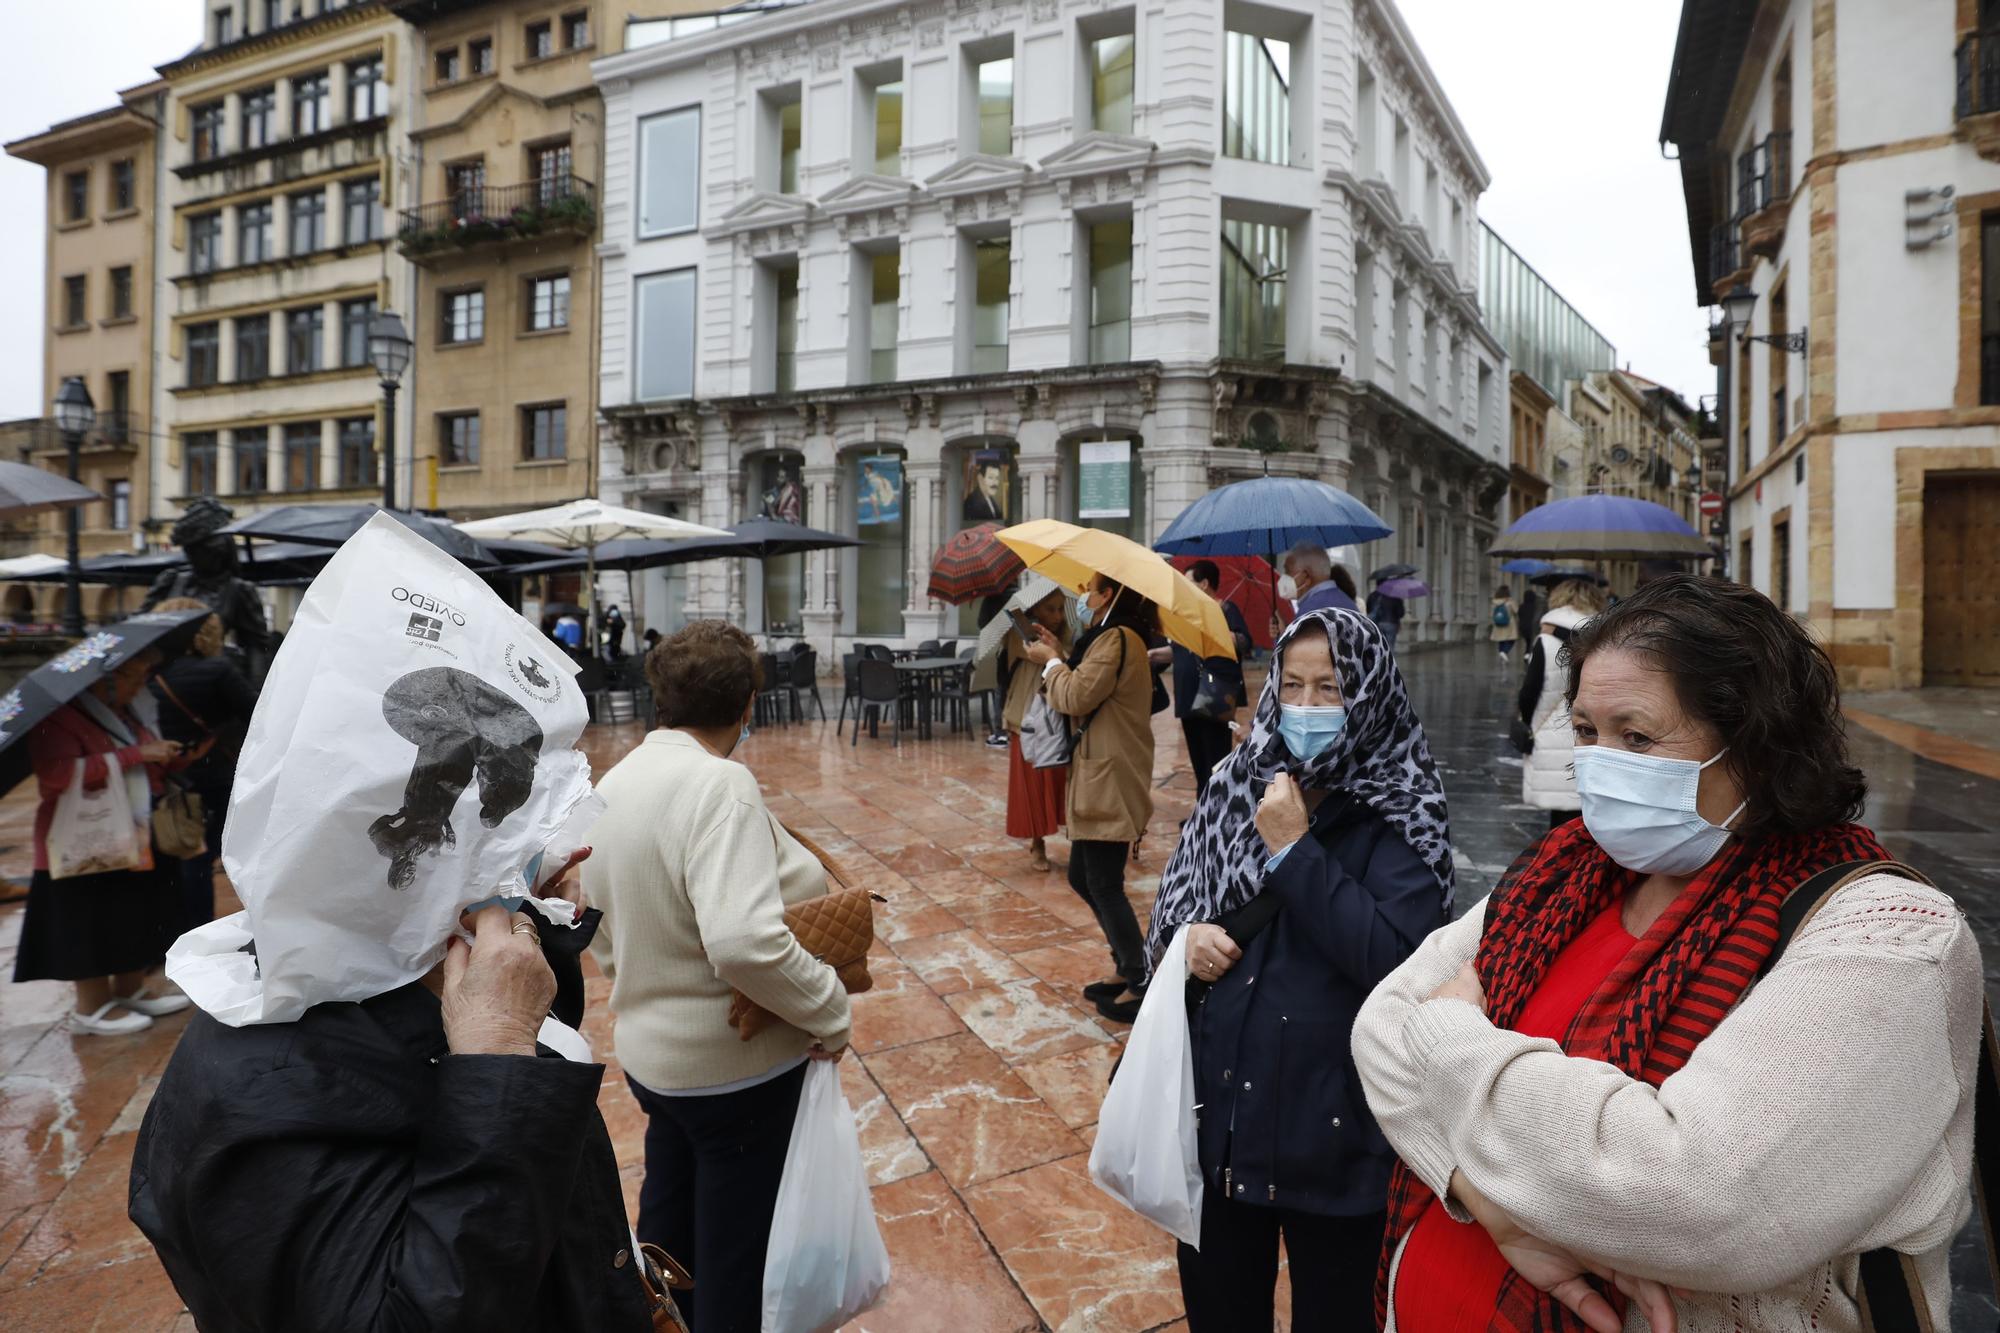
[283, 137]
[96, 323]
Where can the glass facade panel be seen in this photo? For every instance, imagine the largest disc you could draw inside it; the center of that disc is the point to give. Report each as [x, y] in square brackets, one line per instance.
[1111, 291]
[889, 129]
[1112, 66]
[1254, 267]
[887, 289]
[996, 107]
[992, 278]
[669, 171]
[1545, 336]
[1256, 98]
[666, 335]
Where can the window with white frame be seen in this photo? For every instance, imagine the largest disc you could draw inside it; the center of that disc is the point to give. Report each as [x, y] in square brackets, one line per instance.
[666, 335]
[462, 316]
[669, 172]
[548, 302]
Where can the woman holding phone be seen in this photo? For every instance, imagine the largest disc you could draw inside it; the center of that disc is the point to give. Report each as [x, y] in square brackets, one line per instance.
[1036, 797]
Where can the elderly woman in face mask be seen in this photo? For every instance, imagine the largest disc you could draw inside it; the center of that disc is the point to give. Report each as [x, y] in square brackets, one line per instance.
[1317, 859]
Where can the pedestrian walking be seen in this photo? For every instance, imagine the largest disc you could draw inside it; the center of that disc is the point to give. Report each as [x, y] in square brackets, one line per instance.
[1308, 584]
[693, 874]
[1207, 734]
[1506, 618]
[203, 696]
[614, 632]
[1588, 1065]
[1105, 687]
[1036, 797]
[1387, 613]
[991, 608]
[1547, 782]
[103, 930]
[1318, 859]
[403, 1161]
[1529, 617]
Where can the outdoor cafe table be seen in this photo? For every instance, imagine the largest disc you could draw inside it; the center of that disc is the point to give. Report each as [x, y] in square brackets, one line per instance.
[922, 673]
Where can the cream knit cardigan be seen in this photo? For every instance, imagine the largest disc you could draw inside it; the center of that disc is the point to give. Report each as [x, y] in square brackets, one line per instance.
[1829, 1114]
[693, 875]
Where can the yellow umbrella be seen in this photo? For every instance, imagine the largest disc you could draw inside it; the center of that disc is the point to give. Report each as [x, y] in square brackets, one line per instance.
[1071, 555]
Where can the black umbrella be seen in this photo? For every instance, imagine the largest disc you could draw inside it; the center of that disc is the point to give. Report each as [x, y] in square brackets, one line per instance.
[1550, 578]
[556, 610]
[74, 670]
[757, 538]
[30, 490]
[1394, 572]
[333, 524]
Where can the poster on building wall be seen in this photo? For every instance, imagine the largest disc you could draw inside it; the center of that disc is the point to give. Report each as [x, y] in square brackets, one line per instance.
[784, 498]
[880, 500]
[1104, 479]
[986, 488]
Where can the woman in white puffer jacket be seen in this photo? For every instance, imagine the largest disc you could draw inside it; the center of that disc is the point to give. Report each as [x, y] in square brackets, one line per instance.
[1546, 780]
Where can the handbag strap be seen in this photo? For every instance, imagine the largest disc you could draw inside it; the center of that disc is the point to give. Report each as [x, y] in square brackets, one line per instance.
[819, 854]
[175, 700]
[1892, 1291]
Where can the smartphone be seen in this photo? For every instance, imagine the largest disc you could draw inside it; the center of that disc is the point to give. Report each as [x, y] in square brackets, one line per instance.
[1021, 625]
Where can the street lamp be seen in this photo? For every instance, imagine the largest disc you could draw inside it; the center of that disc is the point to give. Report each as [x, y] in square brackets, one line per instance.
[389, 349]
[75, 415]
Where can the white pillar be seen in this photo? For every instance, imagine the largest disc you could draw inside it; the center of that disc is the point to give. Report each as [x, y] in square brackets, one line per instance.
[336, 85]
[230, 239]
[329, 346]
[232, 123]
[329, 454]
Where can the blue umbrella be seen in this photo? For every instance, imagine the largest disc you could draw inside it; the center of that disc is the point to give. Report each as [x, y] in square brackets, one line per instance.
[1603, 527]
[1525, 565]
[1266, 515]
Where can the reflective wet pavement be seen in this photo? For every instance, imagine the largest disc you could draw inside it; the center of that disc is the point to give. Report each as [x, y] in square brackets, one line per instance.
[977, 1077]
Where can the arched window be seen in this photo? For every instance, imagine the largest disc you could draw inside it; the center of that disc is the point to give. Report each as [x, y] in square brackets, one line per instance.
[875, 580]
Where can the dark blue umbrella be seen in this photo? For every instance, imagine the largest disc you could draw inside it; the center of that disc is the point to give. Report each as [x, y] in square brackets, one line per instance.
[1525, 565]
[1267, 515]
[1603, 527]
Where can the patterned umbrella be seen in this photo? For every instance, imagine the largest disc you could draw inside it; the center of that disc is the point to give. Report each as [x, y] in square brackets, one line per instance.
[973, 565]
[1603, 527]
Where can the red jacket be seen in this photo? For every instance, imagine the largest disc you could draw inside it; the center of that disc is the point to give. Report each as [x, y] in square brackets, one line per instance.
[56, 744]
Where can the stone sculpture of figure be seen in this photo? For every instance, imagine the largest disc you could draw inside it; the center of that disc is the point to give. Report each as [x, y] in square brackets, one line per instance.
[462, 728]
[210, 575]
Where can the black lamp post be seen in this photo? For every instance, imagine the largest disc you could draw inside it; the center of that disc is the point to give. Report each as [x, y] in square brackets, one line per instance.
[389, 350]
[1737, 308]
[75, 415]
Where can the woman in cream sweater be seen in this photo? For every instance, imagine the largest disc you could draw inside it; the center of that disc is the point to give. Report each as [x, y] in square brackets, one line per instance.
[693, 875]
[1612, 1067]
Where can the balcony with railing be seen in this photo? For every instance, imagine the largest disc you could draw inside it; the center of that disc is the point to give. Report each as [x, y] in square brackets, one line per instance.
[552, 208]
[1727, 264]
[1764, 193]
[1978, 88]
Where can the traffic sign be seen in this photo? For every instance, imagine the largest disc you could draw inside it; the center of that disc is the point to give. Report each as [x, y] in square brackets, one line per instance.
[1711, 503]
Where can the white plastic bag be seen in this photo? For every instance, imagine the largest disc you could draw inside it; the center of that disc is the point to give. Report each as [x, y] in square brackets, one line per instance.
[826, 1262]
[1145, 1156]
[96, 831]
[412, 753]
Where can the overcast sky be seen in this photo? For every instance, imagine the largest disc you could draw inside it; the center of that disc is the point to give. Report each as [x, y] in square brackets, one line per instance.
[1562, 98]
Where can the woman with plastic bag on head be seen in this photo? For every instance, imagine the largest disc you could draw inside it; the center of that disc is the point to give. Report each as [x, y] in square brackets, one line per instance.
[1316, 860]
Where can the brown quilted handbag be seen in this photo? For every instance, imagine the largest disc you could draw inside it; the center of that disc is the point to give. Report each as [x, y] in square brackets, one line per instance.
[662, 1277]
[838, 928]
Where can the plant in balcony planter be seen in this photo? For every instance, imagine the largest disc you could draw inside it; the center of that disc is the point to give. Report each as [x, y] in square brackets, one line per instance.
[569, 210]
[527, 220]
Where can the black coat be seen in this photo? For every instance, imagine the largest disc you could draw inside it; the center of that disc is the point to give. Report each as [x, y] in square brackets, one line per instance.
[1283, 1122]
[345, 1172]
[202, 697]
[1187, 667]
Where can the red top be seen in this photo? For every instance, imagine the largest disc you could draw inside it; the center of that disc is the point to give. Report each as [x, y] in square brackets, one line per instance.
[55, 745]
[1450, 1274]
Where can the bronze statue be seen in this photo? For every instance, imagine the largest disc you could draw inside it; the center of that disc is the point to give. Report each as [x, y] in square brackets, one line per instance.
[210, 576]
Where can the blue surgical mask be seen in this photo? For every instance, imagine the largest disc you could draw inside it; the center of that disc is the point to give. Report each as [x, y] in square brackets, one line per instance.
[1641, 810]
[1309, 731]
[740, 740]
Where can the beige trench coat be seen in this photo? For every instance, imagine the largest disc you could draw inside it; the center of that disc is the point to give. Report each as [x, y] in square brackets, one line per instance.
[1111, 775]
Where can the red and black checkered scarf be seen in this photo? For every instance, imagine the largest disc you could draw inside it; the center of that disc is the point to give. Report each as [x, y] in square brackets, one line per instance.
[1668, 993]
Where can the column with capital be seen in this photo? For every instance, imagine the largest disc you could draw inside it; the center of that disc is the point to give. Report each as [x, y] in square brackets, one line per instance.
[923, 489]
[821, 478]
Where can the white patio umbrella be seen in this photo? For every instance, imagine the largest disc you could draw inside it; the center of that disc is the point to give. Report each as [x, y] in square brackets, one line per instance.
[32, 567]
[584, 525]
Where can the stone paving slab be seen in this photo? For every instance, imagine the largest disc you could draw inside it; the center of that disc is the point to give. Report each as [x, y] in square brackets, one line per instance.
[978, 1071]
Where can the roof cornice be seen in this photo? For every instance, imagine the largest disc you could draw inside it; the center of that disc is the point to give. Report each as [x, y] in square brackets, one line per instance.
[76, 138]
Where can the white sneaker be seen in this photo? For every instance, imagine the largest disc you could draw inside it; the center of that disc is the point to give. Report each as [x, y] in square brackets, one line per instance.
[154, 1006]
[102, 1024]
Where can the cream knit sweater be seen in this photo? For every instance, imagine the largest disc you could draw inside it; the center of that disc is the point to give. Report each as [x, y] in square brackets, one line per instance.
[1829, 1114]
[693, 876]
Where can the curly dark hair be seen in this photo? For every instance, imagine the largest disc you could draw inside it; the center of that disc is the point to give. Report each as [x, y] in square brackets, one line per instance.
[703, 675]
[1748, 669]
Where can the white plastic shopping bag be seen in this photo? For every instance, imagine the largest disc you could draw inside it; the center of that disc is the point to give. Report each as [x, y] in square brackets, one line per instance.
[1145, 1156]
[93, 832]
[412, 753]
[826, 1262]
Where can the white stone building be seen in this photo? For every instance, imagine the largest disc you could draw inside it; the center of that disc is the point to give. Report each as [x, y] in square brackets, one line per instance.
[280, 157]
[1841, 165]
[896, 267]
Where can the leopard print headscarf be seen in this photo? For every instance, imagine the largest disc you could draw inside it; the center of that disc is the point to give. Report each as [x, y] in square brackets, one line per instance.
[1380, 758]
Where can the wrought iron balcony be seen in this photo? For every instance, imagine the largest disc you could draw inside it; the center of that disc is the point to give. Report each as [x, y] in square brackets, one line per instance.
[1978, 59]
[556, 205]
[1764, 193]
[1726, 265]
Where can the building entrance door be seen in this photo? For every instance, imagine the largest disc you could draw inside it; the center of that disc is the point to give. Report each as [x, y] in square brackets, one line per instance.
[1962, 579]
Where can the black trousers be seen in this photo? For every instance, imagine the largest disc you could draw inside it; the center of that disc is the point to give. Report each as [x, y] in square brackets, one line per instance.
[713, 1165]
[1230, 1285]
[1097, 873]
[1208, 745]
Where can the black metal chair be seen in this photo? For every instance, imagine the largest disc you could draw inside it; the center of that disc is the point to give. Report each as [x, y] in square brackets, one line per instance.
[953, 692]
[774, 697]
[881, 688]
[805, 682]
[877, 652]
[850, 690]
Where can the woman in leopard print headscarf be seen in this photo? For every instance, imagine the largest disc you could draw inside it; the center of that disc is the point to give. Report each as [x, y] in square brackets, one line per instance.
[1317, 859]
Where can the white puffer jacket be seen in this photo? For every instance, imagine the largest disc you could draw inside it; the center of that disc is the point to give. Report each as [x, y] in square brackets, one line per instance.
[1546, 780]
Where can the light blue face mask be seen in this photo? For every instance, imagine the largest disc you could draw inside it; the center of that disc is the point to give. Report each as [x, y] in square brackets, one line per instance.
[1640, 808]
[1309, 731]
